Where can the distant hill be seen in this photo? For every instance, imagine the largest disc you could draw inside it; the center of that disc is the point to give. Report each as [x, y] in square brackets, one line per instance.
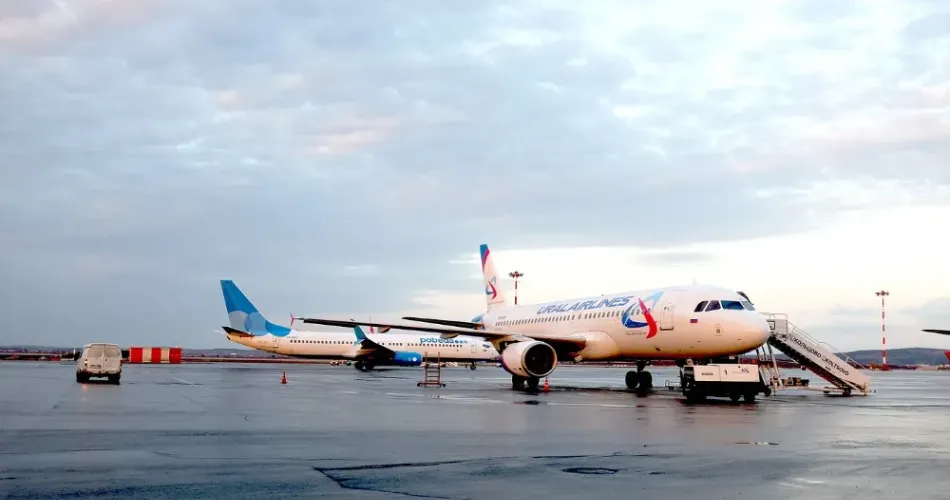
[907, 356]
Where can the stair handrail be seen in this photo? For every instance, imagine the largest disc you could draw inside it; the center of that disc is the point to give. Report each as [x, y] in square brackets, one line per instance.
[834, 350]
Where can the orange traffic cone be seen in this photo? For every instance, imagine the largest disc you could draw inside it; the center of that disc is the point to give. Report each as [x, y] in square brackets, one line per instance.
[546, 386]
[283, 378]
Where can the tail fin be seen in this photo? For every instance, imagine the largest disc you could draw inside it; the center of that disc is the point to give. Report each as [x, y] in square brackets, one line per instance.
[494, 297]
[244, 316]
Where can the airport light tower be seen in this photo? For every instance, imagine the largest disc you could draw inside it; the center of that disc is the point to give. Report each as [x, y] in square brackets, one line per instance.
[515, 275]
[882, 294]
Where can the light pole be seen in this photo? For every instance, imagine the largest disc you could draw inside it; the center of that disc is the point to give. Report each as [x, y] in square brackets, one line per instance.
[882, 294]
[516, 275]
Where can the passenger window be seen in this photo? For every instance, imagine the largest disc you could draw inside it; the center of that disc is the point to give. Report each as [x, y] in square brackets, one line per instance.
[700, 306]
[713, 305]
[113, 352]
[732, 305]
[95, 351]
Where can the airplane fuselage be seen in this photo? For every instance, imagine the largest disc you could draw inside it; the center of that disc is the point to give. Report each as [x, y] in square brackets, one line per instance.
[343, 346]
[681, 324]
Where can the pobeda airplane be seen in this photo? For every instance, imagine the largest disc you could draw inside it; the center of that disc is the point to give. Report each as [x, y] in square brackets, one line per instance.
[250, 328]
[672, 323]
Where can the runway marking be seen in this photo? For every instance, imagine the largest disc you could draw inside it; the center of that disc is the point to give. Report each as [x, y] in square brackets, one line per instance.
[807, 481]
[189, 383]
[792, 485]
[601, 405]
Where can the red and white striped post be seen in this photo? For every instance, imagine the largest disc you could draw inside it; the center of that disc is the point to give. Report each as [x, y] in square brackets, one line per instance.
[882, 294]
[516, 275]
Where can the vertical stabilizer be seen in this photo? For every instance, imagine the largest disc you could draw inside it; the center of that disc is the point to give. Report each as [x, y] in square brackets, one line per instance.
[494, 297]
[243, 316]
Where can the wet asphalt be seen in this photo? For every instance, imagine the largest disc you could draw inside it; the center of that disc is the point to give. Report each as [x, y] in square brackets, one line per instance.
[227, 430]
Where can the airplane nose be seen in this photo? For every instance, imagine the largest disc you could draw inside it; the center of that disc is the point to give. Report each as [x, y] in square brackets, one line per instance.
[758, 330]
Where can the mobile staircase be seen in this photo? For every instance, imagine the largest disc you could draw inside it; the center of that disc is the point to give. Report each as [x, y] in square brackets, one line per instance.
[842, 372]
[432, 372]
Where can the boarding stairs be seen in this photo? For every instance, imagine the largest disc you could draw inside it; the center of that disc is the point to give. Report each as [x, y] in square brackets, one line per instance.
[432, 372]
[836, 368]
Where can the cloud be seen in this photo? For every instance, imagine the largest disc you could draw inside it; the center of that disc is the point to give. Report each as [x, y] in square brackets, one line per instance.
[673, 258]
[149, 148]
[933, 314]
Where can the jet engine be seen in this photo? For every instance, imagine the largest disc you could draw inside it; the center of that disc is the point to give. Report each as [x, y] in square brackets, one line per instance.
[533, 359]
[403, 358]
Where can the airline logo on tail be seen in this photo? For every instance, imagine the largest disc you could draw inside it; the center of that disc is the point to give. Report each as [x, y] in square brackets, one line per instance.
[640, 309]
[244, 316]
[490, 289]
[493, 296]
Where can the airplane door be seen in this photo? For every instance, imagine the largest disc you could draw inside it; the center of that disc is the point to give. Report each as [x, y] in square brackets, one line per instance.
[272, 343]
[474, 347]
[665, 320]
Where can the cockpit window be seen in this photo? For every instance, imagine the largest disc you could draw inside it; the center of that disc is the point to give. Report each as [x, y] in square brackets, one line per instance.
[713, 305]
[732, 305]
[748, 305]
[700, 306]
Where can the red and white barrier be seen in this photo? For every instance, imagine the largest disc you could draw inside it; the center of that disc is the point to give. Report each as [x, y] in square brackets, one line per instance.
[158, 355]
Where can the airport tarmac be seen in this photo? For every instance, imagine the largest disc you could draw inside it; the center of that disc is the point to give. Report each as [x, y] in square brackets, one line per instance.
[216, 430]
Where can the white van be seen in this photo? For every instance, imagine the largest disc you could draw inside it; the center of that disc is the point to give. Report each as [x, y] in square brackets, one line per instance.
[99, 360]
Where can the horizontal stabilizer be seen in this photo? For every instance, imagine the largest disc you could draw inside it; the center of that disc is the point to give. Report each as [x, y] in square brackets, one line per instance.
[235, 332]
[941, 332]
[444, 322]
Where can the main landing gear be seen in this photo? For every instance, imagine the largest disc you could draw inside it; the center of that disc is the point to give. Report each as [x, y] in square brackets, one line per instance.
[523, 383]
[640, 380]
[472, 366]
[364, 366]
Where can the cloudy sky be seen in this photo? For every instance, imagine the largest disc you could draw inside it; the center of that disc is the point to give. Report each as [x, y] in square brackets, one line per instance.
[348, 158]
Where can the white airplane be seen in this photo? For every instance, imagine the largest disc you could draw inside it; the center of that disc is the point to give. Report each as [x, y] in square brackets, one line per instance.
[250, 328]
[681, 323]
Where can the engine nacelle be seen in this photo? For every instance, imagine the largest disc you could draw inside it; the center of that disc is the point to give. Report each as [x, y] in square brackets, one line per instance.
[532, 359]
[403, 358]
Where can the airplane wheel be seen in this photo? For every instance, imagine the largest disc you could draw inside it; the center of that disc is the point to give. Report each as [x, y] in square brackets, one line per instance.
[632, 380]
[472, 367]
[533, 383]
[517, 383]
[646, 380]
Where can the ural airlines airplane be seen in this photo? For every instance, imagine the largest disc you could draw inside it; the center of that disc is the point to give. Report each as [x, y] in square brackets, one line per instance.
[679, 322]
[250, 328]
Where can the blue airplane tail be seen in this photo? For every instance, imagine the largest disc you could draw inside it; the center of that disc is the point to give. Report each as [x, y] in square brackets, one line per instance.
[243, 316]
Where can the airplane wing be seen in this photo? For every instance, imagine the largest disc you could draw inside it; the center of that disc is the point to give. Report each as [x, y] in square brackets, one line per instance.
[941, 332]
[445, 322]
[447, 332]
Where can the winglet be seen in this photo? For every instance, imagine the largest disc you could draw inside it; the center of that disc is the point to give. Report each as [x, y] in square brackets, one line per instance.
[360, 336]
